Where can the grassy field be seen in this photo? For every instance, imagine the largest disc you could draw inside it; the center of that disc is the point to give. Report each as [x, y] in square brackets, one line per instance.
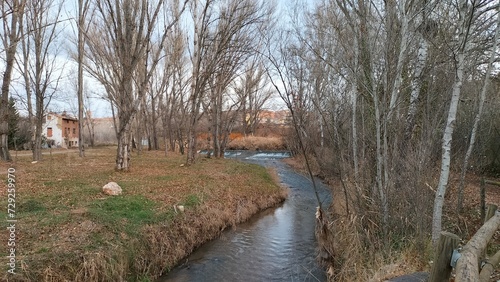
[68, 230]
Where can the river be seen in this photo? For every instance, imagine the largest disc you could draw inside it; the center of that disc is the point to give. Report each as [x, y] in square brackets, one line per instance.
[277, 244]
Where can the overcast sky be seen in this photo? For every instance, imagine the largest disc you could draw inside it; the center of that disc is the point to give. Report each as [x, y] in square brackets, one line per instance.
[65, 99]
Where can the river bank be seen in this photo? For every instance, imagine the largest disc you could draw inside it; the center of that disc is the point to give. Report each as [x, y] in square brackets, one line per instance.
[68, 230]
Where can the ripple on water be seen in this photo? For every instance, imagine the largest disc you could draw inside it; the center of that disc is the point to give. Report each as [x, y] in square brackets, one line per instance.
[278, 245]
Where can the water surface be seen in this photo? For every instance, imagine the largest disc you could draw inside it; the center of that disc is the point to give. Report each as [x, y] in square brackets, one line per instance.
[276, 245]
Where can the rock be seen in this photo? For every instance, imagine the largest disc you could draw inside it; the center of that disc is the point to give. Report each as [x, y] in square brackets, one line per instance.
[178, 208]
[112, 189]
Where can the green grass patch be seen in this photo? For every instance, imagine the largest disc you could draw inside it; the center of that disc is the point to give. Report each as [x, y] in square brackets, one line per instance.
[55, 219]
[31, 206]
[125, 213]
[42, 250]
[192, 200]
[130, 184]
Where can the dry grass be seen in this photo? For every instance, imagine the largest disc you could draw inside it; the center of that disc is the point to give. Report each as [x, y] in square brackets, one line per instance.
[355, 252]
[69, 231]
[257, 143]
[356, 257]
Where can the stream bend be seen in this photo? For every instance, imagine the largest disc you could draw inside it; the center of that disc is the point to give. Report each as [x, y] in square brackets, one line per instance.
[277, 244]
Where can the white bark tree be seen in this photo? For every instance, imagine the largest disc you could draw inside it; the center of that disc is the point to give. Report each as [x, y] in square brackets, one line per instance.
[466, 14]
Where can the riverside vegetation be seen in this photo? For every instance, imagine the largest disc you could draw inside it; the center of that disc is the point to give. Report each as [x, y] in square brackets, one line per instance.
[68, 230]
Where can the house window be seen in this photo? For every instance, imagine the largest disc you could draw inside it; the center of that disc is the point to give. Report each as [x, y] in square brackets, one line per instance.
[49, 131]
[74, 130]
[49, 117]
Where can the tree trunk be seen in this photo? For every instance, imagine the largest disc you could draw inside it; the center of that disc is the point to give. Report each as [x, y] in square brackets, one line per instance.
[9, 65]
[37, 146]
[154, 121]
[450, 126]
[416, 85]
[379, 182]
[81, 21]
[402, 53]
[194, 99]
[123, 150]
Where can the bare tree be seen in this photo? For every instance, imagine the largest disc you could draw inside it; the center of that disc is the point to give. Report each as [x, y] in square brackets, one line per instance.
[253, 92]
[467, 12]
[83, 9]
[222, 42]
[40, 55]
[88, 120]
[121, 38]
[172, 89]
[479, 114]
[11, 15]
[198, 82]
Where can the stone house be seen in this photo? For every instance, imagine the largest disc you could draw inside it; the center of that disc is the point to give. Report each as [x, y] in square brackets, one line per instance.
[61, 130]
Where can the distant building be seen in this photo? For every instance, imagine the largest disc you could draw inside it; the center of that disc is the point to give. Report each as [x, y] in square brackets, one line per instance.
[102, 130]
[275, 117]
[61, 130]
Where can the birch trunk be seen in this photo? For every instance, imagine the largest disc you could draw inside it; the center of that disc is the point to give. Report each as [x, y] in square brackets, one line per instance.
[416, 85]
[402, 53]
[450, 123]
[477, 119]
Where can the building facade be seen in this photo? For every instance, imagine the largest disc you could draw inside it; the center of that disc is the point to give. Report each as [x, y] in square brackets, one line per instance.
[61, 130]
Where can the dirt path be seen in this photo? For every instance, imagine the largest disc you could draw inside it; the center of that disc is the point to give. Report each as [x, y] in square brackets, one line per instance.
[45, 152]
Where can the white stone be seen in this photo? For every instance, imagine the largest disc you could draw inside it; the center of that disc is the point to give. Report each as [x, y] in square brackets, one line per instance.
[112, 189]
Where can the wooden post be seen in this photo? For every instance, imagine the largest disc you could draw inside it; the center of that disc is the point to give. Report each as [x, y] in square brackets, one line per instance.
[468, 264]
[441, 269]
[490, 211]
[492, 182]
[489, 267]
[483, 198]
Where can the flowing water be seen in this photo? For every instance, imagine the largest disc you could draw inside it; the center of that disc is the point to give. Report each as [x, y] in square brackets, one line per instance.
[276, 245]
